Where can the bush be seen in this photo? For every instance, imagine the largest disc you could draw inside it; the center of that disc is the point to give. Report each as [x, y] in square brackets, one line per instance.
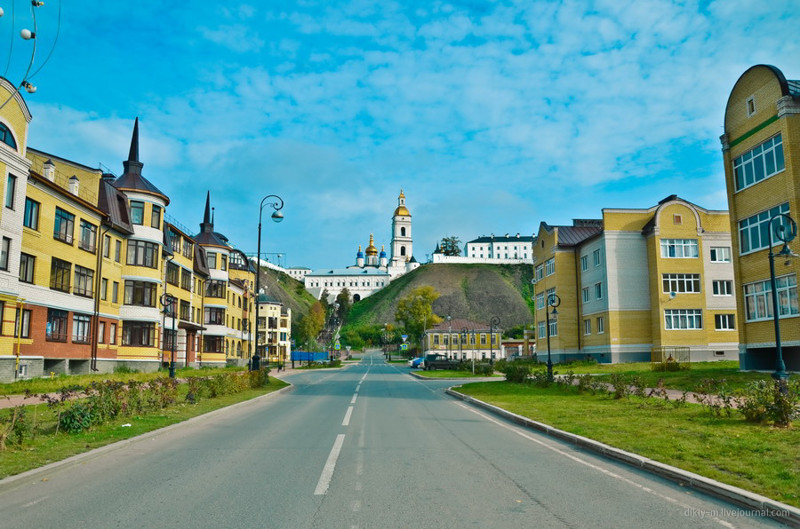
[764, 400]
[125, 370]
[76, 418]
[517, 372]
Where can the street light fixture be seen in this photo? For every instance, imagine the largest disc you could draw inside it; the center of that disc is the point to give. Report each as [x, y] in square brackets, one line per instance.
[277, 216]
[464, 339]
[552, 301]
[493, 323]
[449, 336]
[785, 231]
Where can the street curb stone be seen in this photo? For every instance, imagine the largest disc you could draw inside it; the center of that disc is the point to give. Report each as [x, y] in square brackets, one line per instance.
[750, 500]
[32, 474]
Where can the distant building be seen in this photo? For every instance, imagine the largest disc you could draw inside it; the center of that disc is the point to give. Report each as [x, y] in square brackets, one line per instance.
[515, 247]
[761, 151]
[274, 329]
[372, 270]
[461, 339]
[298, 272]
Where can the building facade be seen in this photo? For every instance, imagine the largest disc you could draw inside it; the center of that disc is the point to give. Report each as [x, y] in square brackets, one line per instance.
[637, 285]
[761, 152]
[464, 340]
[506, 248]
[274, 329]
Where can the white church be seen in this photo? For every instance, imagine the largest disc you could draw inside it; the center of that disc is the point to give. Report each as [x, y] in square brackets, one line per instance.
[373, 270]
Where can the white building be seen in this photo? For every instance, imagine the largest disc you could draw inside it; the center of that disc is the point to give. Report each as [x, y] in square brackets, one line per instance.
[517, 248]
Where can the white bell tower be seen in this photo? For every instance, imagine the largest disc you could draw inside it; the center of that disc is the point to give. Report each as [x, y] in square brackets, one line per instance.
[402, 247]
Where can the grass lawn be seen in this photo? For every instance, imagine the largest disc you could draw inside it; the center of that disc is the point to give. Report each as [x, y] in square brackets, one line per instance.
[681, 380]
[50, 385]
[758, 458]
[45, 449]
[450, 373]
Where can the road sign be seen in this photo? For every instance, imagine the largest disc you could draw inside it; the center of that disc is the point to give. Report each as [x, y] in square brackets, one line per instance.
[404, 347]
[337, 345]
[404, 337]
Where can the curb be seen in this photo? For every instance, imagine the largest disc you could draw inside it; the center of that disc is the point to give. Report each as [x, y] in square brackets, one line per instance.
[750, 500]
[460, 379]
[11, 481]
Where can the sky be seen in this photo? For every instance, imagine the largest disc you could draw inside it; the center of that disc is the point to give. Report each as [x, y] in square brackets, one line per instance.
[491, 116]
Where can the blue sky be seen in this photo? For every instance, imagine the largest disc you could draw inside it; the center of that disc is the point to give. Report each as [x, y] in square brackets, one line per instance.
[492, 116]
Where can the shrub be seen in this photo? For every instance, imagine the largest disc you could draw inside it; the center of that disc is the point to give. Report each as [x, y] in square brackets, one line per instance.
[716, 397]
[621, 385]
[516, 372]
[125, 370]
[764, 400]
[76, 418]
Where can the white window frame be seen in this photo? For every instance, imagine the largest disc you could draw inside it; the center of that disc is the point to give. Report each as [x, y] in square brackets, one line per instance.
[753, 166]
[725, 322]
[757, 227]
[584, 263]
[601, 328]
[758, 298]
[720, 254]
[680, 283]
[683, 319]
[722, 287]
[587, 327]
[598, 290]
[596, 257]
[550, 266]
[586, 294]
[681, 248]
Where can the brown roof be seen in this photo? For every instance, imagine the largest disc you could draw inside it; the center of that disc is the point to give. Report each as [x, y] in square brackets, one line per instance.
[457, 324]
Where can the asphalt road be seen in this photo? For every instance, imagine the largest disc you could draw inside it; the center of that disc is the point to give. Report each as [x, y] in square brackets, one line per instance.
[366, 446]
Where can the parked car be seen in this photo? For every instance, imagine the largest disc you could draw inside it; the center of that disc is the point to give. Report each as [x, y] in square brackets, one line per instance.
[416, 362]
[437, 361]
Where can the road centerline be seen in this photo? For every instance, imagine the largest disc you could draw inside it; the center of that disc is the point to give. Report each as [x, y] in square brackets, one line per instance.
[330, 465]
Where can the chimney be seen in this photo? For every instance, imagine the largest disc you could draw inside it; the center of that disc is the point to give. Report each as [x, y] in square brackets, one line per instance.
[50, 170]
[74, 185]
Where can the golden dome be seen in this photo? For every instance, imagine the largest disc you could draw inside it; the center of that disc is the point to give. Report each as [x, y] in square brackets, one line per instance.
[371, 250]
[401, 206]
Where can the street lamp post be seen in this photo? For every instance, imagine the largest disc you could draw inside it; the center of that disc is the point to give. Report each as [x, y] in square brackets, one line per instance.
[493, 323]
[785, 231]
[449, 336]
[464, 339]
[169, 302]
[277, 216]
[552, 301]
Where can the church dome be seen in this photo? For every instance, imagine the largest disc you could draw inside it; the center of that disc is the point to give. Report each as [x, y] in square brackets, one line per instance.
[401, 206]
[371, 250]
[383, 253]
[360, 254]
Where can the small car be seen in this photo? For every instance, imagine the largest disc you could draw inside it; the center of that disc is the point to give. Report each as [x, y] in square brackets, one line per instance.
[416, 362]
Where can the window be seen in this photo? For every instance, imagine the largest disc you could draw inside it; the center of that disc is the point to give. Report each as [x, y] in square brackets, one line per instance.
[553, 327]
[751, 106]
[169, 339]
[112, 334]
[26, 267]
[117, 250]
[214, 316]
[680, 283]
[155, 217]
[56, 330]
[173, 273]
[64, 226]
[720, 254]
[679, 248]
[88, 236]
[754, 231]
[723, 288]
[216, 289]
[143, 253]
[5, 250]
[103, 289]
[186, 311]
[212, 260]
[683, 319]
[601, 325]
[550, 266]
[540, 300]
[585, 294]
[677, 219]
[138, 333]
[724, 322]
[80, 328]
[106, 246]
[596, 257]
[26, 324]
[137, 213]
[60, 274]
[584, 262]
[142, 293]
[541, 330]
[84, 281]
[31, 217]
[6, 137]
[101, 332]
[587, 326]
[549, 295]
[758, 163]
[115, 292]
[187, 248]
[539, 272]
[758, 298]
[598, 290]
[223, 262]
[186, 279]
[174, 240]
[11, 190]
[213, 344]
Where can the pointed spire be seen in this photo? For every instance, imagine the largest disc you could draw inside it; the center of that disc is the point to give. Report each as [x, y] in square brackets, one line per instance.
[133, 154]
[208, 223]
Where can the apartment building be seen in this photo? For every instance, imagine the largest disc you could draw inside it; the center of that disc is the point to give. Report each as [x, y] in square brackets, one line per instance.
[636, 285]
[761, 152]
[274, 329]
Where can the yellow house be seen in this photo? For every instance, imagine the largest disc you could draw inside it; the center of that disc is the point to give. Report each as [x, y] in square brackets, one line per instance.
[636, 285]
[274, 329]
[761, 151]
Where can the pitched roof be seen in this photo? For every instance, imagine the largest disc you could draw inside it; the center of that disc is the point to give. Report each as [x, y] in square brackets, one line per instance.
[502, 238]
[456, 325]
[207, 234]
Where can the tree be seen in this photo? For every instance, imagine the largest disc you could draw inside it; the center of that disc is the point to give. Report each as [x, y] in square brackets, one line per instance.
[415, 310]
[312, 323]
[343, 299]
[450, 246]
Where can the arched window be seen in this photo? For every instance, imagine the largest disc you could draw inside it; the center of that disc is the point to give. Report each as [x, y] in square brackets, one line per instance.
[6, 137]
[356, 297]
[403, 231]
[402, 250]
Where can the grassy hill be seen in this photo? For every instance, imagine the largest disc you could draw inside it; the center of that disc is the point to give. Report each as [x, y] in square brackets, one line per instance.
[288, 291]
[472, 291]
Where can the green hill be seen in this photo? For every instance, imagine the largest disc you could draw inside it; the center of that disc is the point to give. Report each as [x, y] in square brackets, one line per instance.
[472, 291]
[289, 291]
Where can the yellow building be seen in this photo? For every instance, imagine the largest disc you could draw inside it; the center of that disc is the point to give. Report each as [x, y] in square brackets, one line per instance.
[636, 285]
[761, 151]
[464, 340]
[274, 329]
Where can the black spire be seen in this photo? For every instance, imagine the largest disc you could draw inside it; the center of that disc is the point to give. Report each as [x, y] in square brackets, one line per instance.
[208, 224]
[133, 165]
